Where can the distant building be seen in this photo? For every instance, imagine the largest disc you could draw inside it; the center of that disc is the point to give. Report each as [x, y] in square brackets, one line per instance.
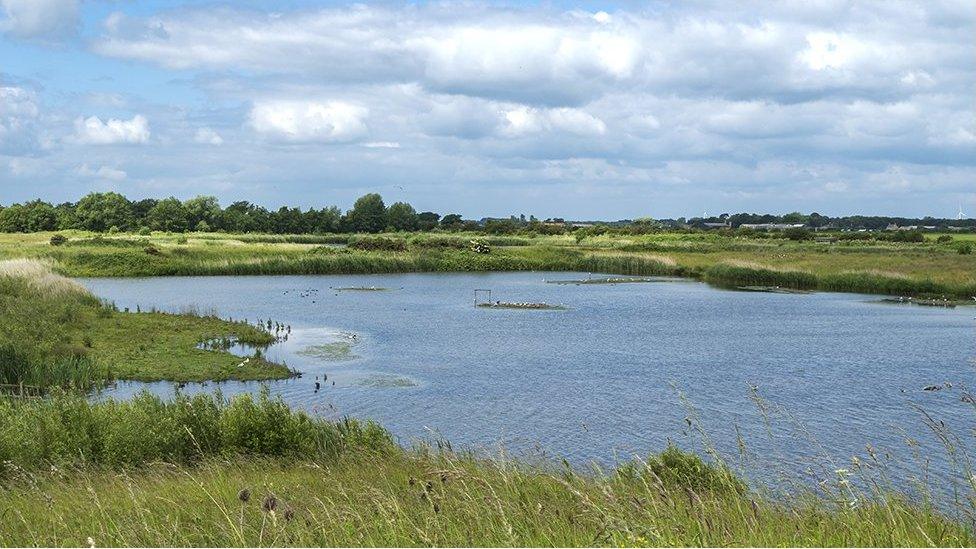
[771, 226]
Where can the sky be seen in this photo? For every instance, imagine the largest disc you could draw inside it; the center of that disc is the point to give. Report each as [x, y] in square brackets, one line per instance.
[583, 110]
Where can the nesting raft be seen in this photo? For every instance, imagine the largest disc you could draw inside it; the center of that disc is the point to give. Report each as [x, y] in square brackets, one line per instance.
[771, 289]
[519, 305]
[607, 280]
[923, 302]
[361, 289]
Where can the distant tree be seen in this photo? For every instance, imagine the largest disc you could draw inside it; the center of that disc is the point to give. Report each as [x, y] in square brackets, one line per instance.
[451, 221]
[326, 220]
[202, 209]
[168, 215]
[140, 211]
[427, 221]
[99, 211]
[402, 217]
[65, 212]
[13, 219]
[288, 221]
[368, 214]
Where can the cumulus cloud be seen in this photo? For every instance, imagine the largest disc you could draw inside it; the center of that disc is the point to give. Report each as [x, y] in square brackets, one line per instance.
[45, 19]
[308, 121]
[92, 131]
[19, 112]
[105, 173]
[207, 136]
[756, 103]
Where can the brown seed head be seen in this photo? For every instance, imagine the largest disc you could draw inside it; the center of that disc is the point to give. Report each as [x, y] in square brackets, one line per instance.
[270, 503]
[244, 495]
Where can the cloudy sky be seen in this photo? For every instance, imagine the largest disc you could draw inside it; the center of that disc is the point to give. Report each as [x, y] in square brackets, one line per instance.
[583, 110]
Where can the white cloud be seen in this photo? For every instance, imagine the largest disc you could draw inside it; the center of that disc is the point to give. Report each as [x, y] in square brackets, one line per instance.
[523, 120]
[106, 173]
[382, 145]
[39, 18]
[92, 131]
[18, 117]
[307, 121]
[208, 136]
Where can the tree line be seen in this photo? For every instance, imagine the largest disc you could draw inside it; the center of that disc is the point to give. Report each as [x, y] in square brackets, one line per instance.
[112, 212]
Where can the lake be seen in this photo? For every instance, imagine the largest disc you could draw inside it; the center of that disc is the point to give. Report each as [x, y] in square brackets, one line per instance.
[779, 384]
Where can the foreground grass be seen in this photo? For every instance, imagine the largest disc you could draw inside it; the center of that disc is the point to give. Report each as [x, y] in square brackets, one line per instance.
[924, 269]
[55, 333]
[204, 471]
[411, 499]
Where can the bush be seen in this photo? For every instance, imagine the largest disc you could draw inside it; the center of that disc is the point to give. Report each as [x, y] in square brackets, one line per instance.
[798, 234]
[114, 229]
[944, 239]
[58, 239]
[145, 231]
[181, 240]
[676, 469]
[152, 250]
[374, 243]
[965, 249]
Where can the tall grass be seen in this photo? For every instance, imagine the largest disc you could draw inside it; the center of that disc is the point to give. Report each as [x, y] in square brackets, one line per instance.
[20, 373]
[70, 430]
[736, 273]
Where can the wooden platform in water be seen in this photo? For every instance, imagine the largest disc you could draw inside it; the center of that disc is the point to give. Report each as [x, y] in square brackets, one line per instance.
[771, 289]
[609, 280]
[519, 305]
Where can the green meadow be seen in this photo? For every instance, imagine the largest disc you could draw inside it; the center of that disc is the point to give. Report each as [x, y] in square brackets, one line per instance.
[922, 269]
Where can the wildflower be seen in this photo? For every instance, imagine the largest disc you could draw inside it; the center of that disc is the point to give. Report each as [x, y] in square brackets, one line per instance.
[244, 495]
[270, 503]
[91, 542]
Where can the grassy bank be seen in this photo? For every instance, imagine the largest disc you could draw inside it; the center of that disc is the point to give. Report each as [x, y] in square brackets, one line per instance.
[924, 269]
[208, 472]
[55, 333]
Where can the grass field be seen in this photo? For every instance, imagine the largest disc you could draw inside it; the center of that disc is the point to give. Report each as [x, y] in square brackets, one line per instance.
[56, 333]
[925, 269]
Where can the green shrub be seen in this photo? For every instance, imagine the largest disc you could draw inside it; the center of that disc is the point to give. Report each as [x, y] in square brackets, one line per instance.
[145, 231]
[676, 468]
[376, 243]
[58, 239]
[944, 239]
[965, 249]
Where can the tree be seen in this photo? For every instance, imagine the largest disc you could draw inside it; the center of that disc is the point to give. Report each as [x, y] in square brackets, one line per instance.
[13, 219]
[451, 221]
[41, 216]
[99, 211]
[368, 214]
[427, 221]
[402, 217]
[168, 215]
[140, 210]
[202, 209]
[65, 213]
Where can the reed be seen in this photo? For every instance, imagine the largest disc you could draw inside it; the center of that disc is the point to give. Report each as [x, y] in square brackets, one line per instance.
[738, 273]
[69, 430]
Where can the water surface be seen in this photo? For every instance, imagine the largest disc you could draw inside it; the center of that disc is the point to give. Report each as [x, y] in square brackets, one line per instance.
[623, 370]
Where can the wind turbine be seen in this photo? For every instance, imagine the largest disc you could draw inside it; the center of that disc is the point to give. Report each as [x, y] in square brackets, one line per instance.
[960, 215]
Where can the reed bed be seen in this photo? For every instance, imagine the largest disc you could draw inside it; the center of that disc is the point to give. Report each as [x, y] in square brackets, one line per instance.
[68, 430]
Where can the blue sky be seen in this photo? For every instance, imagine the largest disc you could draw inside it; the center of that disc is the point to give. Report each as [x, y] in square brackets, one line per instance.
[582, 110]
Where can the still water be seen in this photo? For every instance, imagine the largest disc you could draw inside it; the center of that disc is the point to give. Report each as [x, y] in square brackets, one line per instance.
[777, 383]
